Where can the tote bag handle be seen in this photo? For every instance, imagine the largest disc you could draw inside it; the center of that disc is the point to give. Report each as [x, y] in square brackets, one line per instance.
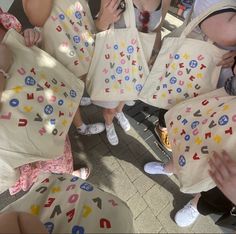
[129, 16]
[196, 21]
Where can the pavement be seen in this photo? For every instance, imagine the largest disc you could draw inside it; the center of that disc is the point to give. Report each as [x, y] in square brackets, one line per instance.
[154, 200]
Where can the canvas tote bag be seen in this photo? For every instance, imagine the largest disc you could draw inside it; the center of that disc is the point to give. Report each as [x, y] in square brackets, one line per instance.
[185, 67]
[196, 128]
[67, 204]
[118, 69]
[38, 105]
[68, 35]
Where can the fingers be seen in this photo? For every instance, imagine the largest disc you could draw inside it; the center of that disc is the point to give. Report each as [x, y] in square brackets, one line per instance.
[114, 4]
[219, 168]
[32, 37]
[227, 59]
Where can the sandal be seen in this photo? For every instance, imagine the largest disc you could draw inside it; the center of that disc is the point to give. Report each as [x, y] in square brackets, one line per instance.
[82, 173]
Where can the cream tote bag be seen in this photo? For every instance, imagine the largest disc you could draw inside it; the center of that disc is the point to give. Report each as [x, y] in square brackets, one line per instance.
[68, 35]
[196, 128]
[67, 204]
[118, 69]
[38, 106]
[185, 67]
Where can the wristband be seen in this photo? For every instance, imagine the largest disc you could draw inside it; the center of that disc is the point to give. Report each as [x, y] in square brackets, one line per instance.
[6, 75]
[234, 65]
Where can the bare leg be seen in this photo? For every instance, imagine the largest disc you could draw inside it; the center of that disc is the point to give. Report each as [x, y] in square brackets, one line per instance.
[109, 115]
[119, 108]
[169, 167]
[86, 129]
[77, 121]
[195, 200]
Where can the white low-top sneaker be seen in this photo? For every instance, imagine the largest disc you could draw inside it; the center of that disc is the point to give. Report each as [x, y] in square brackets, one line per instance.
[85, 101]
[92, 129]
[156, 168]
[186, 216]
[111, 134]
[123, 121]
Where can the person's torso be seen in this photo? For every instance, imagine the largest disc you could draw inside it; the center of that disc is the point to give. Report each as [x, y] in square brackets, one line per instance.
[155, 18]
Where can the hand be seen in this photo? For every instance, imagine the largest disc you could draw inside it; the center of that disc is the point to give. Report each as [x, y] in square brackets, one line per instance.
[32, 37]
[223, 172]
[227, 59]
[6, 58]
[109, 14]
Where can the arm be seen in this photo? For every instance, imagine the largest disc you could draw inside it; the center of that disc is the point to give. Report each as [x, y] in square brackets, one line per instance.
[37, 11]
[108, 14]
[20, 222]
[157, 44]
[221, 28]
[223, 172]
[6, 60]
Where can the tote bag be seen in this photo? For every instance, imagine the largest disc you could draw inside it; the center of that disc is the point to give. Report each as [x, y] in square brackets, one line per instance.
[118, 69]
[38, 105]
[196, 128]
[67, 204]
[68, 35]
[185, 67]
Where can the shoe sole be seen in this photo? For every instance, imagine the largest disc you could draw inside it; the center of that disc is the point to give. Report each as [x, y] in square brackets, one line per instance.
[170, 150]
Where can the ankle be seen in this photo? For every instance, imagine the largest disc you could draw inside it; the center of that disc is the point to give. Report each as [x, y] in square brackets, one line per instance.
[82, 127]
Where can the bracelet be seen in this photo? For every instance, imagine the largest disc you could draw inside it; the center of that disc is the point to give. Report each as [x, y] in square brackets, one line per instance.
[6, 75]
[233, 211]
[234, 65]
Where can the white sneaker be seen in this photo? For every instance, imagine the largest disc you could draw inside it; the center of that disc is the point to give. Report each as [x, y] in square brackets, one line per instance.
[130, 103]
[111, 134]
[92, 129]
[123, 121]
[156, 168]
[186, 216]
[85, 101]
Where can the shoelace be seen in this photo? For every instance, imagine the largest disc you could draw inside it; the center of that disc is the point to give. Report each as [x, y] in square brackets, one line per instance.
[193, 211]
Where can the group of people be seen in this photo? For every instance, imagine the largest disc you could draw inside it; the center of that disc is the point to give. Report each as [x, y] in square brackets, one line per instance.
[219, 27]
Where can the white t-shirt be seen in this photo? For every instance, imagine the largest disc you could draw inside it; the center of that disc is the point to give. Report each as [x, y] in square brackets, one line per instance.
[199, 7]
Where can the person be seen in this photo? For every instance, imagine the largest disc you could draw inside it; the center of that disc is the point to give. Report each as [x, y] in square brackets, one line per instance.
[38, 12]
[66, 204]
[149, 18]
[219, 200]
[190, 212]
[28, 173]
[226, 21]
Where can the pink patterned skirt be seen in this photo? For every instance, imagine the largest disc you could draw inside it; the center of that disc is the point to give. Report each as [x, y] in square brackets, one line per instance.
[29, 172]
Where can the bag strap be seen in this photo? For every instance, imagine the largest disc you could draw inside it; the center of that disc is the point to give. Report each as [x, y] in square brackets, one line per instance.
[129, 15]
[196, 21]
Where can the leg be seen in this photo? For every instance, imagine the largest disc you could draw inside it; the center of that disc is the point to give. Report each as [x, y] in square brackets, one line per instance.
[161, 130]
[189, 214]
[86, 129]
[109, 115]
[122, 120]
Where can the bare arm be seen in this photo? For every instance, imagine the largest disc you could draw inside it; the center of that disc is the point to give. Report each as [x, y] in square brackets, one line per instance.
[223, 172]
[157, 44]
[108, 14]
[37, 11]
[221, 28]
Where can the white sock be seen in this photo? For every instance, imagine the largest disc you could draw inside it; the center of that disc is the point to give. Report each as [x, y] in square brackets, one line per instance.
[108, 126]
[82, 128]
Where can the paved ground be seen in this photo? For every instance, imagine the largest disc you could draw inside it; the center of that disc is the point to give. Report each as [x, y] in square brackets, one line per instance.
[153, 199]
